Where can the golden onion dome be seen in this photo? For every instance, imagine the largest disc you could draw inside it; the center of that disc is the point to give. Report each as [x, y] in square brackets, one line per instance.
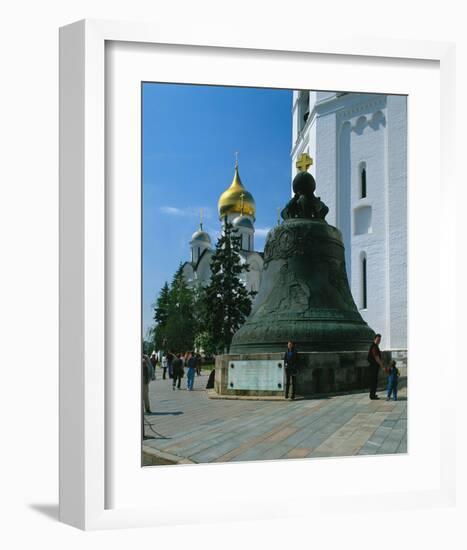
[236, 199]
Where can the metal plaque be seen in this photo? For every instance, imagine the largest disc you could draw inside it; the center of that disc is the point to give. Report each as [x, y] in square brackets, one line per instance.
[262, 375]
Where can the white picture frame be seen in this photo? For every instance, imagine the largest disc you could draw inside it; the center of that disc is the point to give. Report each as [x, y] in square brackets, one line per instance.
[87, 475]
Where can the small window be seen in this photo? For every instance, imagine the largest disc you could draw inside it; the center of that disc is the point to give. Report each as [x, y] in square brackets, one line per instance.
[303, 109]
[364, 283]
[363, 180]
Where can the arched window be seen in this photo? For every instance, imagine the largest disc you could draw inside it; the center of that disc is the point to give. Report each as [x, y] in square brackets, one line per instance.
[362, 180]
[303, 108]
[364, 283]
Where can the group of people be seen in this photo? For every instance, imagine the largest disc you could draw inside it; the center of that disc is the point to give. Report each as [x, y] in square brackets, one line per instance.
[174, 365]
[291, 363]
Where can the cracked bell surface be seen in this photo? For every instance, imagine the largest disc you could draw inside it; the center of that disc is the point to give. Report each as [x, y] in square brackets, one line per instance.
[304, 294]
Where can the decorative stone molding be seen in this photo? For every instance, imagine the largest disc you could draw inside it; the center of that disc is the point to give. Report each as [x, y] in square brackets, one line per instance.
[368, 106]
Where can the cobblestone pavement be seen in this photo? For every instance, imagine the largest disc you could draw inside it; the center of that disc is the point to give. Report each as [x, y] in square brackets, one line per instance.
[188, 426]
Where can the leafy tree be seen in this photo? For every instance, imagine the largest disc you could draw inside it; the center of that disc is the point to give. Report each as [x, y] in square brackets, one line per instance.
[228, 302]
[161, 315]
[199, 308]
[179, 328]
[204, 341]
[161, 308]
[148, 347]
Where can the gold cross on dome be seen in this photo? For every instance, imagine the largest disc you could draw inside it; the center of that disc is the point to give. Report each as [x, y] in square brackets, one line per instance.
[236, 158]
[242, 197]
[303, 162]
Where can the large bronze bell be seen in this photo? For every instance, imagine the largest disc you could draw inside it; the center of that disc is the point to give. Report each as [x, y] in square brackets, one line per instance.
[304, 294]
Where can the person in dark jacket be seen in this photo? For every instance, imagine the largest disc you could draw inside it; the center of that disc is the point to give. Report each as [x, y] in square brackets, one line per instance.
[291, 368]
[146, 375]
[170, 358]
[177, 371]
[374, 358]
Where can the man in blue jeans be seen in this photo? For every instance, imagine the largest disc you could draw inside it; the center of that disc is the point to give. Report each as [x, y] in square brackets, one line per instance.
[190, 376]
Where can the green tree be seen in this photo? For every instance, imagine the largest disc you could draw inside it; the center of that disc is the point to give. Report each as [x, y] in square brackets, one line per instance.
[200, 309]
[204, 342]
[161, 315]
[179, 328]
[161, 308]
[228, 302]
[148, 347]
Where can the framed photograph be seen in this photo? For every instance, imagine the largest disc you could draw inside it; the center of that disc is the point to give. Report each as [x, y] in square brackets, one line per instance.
[315, 171]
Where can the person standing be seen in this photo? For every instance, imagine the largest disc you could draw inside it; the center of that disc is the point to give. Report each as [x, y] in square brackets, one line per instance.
[393, 380]
[291, 368]
[146, 377]
[190, 376]
[177, 371]
[164, 366]
[374, 359]
[153, 360]
[198, 364]
[170, 358]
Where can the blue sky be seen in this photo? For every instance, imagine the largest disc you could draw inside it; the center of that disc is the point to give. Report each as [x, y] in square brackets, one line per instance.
[190, 136]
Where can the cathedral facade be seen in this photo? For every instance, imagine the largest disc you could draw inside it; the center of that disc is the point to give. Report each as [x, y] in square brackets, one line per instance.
[237, 205]
[359, 146]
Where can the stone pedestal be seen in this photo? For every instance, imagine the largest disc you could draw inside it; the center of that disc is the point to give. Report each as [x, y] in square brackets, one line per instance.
[320, 373]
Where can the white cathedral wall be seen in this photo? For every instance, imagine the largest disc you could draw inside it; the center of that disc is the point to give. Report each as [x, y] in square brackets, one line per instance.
[375, 226]
[397, 219]
[306, 141]
[368, 144]
[203, 273]
[381, 145]
[325, 161]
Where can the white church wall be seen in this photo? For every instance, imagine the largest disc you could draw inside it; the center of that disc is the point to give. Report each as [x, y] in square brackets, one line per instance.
[255, 262]
[362, 220]
[397, 219]
[368, 146]
[305, 144]
[342, 206]
[188, 273]
[203, 272]
[325, 163]
[345, 133]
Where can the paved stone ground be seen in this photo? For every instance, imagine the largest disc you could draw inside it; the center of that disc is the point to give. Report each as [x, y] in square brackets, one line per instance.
[190, 427]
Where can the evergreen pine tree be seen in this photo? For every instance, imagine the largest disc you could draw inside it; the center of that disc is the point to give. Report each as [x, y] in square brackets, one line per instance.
[228, 302]
[180, 326]
[161, 315]
[161, 308]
